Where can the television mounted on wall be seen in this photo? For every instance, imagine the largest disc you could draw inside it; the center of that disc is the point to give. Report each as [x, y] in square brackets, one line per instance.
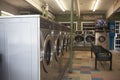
[101, 23]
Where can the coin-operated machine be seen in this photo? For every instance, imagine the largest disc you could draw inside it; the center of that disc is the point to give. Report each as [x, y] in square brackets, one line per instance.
[79, 38]
[111, 35]
[102, 33]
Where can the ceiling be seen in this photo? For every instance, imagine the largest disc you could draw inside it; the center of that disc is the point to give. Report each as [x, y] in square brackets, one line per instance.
[21, 5]
[85, 5]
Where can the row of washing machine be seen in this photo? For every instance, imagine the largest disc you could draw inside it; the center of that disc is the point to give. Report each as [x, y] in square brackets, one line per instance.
[54, 50]
[84, 38]
[32, 48]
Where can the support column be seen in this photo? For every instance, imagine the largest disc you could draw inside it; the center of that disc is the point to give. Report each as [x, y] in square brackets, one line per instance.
[71, 37]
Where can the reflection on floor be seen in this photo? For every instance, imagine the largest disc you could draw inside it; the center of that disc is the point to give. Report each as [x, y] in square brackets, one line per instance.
[83, 68]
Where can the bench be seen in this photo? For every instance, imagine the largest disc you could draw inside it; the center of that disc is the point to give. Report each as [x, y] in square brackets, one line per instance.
[101, 54]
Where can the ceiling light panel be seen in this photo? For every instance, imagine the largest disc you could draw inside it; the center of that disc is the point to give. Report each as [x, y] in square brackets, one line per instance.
[60, 5]
[95, 5]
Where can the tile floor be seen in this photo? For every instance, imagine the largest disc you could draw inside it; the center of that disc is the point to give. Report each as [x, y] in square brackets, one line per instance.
[83, 68]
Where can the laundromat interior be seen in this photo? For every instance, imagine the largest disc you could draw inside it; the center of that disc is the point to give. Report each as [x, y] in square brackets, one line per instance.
[59, 39]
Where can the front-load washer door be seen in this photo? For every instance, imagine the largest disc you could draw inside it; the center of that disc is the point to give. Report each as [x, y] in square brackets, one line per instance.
[101, 39]
[89, 38]
[57, 54]
[58, 51]
[79, 38]
[62, 44]
[47, 53]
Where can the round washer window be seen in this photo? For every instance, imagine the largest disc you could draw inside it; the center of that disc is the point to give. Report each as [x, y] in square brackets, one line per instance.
[101, 39]
[89, 38]
[79, 38]
[47, 55]
[57, 47]
[63, 43]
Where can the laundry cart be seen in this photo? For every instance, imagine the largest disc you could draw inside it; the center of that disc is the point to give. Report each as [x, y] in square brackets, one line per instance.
[20, 47]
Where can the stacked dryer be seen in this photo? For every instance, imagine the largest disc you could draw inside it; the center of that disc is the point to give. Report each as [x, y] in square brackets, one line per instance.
[79, 38]
[102, 39]
[89, 38]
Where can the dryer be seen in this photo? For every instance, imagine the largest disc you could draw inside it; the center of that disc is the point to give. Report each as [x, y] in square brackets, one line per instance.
[79, 38]
[102, 38]
[89, 38]
[64, 48]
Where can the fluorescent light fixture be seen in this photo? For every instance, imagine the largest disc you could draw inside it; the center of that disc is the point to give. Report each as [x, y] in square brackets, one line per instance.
[60, 5]
[95, 5]
[4, 13]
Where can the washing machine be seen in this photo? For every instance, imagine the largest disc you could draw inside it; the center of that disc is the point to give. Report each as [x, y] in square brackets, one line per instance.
[79, 38]
[46, 50]
[102, 39]
[64, 48]
[89, 38]
[60, 39]
[66, 38]
[55, 33]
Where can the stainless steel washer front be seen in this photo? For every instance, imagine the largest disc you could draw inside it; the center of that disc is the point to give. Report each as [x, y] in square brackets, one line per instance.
[102, 38]
[47, 61]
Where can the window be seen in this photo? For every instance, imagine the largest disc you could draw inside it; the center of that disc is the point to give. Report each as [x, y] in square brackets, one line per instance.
[117, 36]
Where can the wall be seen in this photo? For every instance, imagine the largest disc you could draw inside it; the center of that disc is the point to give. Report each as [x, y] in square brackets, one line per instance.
[114, 17]
[66, 18]
[84, 17]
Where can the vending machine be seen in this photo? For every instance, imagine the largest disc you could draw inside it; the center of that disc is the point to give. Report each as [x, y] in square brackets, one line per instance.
[111, 35]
